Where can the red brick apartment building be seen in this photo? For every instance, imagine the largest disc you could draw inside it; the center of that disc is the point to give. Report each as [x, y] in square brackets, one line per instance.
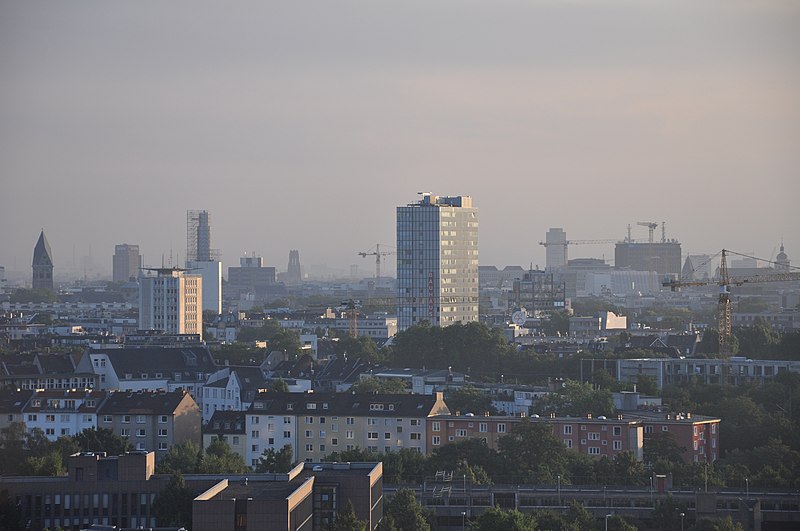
[599, 436]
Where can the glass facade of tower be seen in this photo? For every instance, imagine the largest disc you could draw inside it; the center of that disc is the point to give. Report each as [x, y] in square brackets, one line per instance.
[437, 261]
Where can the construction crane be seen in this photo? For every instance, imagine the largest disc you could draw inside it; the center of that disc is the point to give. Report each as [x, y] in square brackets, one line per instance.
[725, 282]
[651, 225]
[377, 253]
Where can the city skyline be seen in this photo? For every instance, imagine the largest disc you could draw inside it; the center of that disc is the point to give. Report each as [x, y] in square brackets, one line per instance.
[300, 130]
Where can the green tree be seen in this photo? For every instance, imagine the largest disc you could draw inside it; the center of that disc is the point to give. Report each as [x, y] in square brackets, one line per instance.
[532, 453]
[263, 333]
[183, 458]
[469, 399]
[662, 446]
[50, 464]
[278, 386]
[347, 520]
[33, 295]
[577, 399]
[406, 513]
[220, 459]
[370, 384]
[358, 347]
[102, 440]
[173, 505]
[496, 519]
[285, 341]
[272, 461]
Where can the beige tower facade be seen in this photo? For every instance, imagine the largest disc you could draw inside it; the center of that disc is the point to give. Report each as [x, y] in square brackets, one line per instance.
[171, 301]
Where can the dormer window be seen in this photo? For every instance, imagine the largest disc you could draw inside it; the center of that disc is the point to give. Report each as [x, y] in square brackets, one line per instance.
[144, 376]
[289, 407]
[376, 407]
[391, 407]
[311, 406]
[324, 405]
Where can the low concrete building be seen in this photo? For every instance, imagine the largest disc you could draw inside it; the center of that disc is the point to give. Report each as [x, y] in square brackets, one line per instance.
[309, 497]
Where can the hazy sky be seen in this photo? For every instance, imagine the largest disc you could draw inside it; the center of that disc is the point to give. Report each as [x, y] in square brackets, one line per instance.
[304, 124]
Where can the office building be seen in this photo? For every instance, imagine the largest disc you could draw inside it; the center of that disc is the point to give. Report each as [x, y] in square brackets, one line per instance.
[538, 291]
[555, 249]
[437, 261]
[42, 264]
[127, 262]
[662, 257]
[308, 497]
[211, 273]
[170, 301]
[250, 277]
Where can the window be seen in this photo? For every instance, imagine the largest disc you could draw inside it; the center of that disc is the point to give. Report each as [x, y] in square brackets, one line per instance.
[617, 431]
[664, 428]
[415, 422]
[162, 446]
[66, 418]
[648, 429]
[594, 436]
[270, 440]
[695, 431]
[309, 420]
[568, 429]
[372, 435]
[695, 446]
[254, 434]
[254, 420]
[372, 422]
[309, 434]
[387, 435]
[162, 432]
[254, 447]
[594, 450]
[287, 420]
[568, 443]
[31, 418]
[436, 426]
[437, 440]
[140, 432]
[126, 419]
[334, 442]
[482, 427]
[50, 418]
[124, 432]
[287, 435]
[309, 448]
[64, 431]
[583, 427]
[139, 419]
[416, 436]
[501, 427]
[460, 433]
[350, 420]
[321, 447]
[235, 439]
[50, 431]
[349, 435]
[617, 445]
[321, 434]
[140, 446]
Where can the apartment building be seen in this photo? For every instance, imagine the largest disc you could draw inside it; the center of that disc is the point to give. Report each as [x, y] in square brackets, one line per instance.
[317, 424]
[734, 371]
[152, 421]
[171, 301]
[62, 413]
[696, 434]
[228, 426]
[599, 436]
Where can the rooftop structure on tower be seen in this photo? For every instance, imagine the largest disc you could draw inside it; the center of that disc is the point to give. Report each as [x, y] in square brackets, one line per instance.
[42, 264]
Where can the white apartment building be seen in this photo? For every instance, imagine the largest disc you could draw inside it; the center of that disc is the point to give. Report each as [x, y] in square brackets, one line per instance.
[437, 261]
[171, 301]
[211, 272]
[62, 413]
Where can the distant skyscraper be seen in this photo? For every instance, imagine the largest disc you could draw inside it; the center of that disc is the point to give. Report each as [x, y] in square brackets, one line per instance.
[127, 262]
[294, 274]
[437, 261]
[198, 236]
[202, 259]
[556, 249]
[170, 301]
[42, 264]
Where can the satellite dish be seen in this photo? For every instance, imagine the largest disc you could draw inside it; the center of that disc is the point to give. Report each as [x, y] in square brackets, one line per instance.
[519, 317]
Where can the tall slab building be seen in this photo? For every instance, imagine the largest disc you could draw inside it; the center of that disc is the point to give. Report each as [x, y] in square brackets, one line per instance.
[171, 301]
[127, 262]
[437, 261]
[202, 260]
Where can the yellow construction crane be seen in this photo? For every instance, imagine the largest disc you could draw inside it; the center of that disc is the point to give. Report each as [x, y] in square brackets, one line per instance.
[725, 282]
[377, 253]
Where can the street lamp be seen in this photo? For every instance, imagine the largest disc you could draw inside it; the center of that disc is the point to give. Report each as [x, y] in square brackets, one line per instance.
[747, 482]
[607, 517]
[682, 515]
[559, 490]
[463, 520]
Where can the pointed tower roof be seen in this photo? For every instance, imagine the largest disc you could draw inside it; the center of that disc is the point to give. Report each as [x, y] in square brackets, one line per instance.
[42, 255]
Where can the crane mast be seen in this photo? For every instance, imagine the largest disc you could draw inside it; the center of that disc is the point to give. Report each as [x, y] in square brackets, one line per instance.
[724, 307]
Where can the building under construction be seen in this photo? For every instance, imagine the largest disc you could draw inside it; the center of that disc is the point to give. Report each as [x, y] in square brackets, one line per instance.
[662, 257]
[538, 291]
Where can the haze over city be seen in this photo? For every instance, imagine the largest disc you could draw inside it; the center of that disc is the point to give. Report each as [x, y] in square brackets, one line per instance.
[303, 127]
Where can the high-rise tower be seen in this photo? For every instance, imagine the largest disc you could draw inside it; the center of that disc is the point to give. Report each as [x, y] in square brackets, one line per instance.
[202, 259]
[127, 262]
[42, 264]
[170, 301]
[294, 274]
[556, 249]
[437, 261]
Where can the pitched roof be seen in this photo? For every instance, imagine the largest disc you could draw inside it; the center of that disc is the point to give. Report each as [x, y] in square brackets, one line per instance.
[344, 404]
[166, 360]
[143, 403]
[13, 401]
[42, 255]
[226, 422]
